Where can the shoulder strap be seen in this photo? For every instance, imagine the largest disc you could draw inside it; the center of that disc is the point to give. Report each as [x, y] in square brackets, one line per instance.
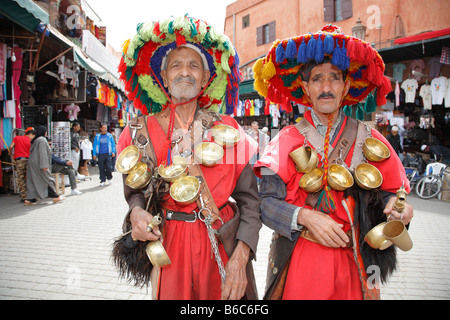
[311, 134]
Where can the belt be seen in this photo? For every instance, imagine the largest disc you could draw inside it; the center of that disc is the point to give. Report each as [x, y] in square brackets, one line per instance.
[309, 236]
[189, 217]
[21, 158]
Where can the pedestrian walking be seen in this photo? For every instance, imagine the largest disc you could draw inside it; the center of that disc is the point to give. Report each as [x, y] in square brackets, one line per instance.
[104, 150]
[40, 183]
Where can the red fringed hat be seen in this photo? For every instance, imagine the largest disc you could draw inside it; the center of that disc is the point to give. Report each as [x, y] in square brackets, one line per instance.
[277, 76]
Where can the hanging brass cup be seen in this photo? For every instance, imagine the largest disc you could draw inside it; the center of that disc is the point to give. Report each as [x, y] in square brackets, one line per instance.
[305, 159]
[375, 150]
[157, 254]
[339, 178]
[225, 135]
[154, 249]
[312, 181]
[127, 159]
[139, 176]
[176, 170]
[368, 176]
[396, 232]
[185, 190]
[376, 239]
[208, 153]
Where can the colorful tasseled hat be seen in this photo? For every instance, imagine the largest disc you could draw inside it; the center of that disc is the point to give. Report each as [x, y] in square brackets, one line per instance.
[277, 76]
[140, 66]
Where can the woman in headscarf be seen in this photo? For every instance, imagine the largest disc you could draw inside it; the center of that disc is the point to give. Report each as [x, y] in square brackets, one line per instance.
[40, 183]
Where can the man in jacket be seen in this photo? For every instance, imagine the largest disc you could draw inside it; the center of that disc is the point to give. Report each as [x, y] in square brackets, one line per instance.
[191, 79]
[104, 150]
[319, 251]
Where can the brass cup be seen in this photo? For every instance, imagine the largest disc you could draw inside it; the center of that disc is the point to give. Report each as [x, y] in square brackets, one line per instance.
[157, 254]
[225, 135]
[312, 181]
[305, 159]
[176, 170]
[375, 150]
[368, 176]
[208, 153]
[127, 159]
[185, 190]
[139, 176]
[339, 178]
[376, 239]
[396, 232]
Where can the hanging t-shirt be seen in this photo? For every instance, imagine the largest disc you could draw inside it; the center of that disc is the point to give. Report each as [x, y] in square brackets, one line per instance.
[398, 71]
[410, 86]
[447, 94]
[417, 65]
[72, 110]
[438, 89]
[275, 113]
[425, 93]
[435, 67]
[247, 106]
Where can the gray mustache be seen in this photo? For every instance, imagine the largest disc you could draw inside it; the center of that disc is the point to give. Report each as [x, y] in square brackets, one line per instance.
[326, 95]
[189, 79]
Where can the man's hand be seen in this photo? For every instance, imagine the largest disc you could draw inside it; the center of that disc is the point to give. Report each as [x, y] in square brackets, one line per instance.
[327, 231]
[69, 163]
[407, 212]
[139, 221]
[236, 279]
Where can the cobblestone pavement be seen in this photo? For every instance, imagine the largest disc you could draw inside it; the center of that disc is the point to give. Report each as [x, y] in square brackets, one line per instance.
[62, 251]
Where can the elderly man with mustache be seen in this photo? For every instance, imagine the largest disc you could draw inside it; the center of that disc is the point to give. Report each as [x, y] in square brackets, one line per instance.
[318, 251]
[180, 75]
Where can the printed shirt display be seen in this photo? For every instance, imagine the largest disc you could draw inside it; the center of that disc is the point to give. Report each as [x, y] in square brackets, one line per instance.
[438, 89]
[410, 86]
[425, 93]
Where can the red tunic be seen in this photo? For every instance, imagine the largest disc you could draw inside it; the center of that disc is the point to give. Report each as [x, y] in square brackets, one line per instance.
[316, 271]
[193, 272]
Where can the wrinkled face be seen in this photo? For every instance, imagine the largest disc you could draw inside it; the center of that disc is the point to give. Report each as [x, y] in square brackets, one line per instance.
[184, 76]
[326, 88]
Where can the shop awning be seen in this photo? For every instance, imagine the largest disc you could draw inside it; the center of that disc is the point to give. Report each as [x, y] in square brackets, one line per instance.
[423, 48]
[423, 36]
[25, 13]
[88, 64]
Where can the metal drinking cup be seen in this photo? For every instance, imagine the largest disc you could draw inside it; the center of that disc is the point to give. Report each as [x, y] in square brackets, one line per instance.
[305, 159]
[312, 181]
[339, 178]
[375, 150]
[368, 176]
[127, 159]
[225, 135]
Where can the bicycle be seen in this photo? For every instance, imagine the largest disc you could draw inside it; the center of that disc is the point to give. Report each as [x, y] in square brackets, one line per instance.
[432, 185]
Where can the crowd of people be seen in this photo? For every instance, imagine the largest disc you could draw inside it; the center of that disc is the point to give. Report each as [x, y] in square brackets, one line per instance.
[34, 162]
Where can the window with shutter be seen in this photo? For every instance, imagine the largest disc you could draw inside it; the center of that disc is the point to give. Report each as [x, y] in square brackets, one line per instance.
[266, 33]
[336, 10]
[259, 36]
[328, 10]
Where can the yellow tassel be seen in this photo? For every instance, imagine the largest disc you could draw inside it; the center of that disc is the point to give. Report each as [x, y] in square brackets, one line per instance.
[261, 86]
[257, 67]
[268, 71]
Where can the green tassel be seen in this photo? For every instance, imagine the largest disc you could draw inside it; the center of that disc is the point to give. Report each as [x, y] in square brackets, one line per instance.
[359, 112]
[348, 111]
[325, 202]
[370, 105]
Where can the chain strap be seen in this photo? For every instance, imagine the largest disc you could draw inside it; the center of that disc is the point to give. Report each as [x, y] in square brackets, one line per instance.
[214, 246]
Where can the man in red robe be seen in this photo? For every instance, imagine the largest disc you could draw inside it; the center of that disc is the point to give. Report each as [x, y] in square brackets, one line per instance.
[185, 72]
[319, 251]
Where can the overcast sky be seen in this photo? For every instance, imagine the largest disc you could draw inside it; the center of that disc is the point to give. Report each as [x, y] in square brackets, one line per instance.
[121, 16]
